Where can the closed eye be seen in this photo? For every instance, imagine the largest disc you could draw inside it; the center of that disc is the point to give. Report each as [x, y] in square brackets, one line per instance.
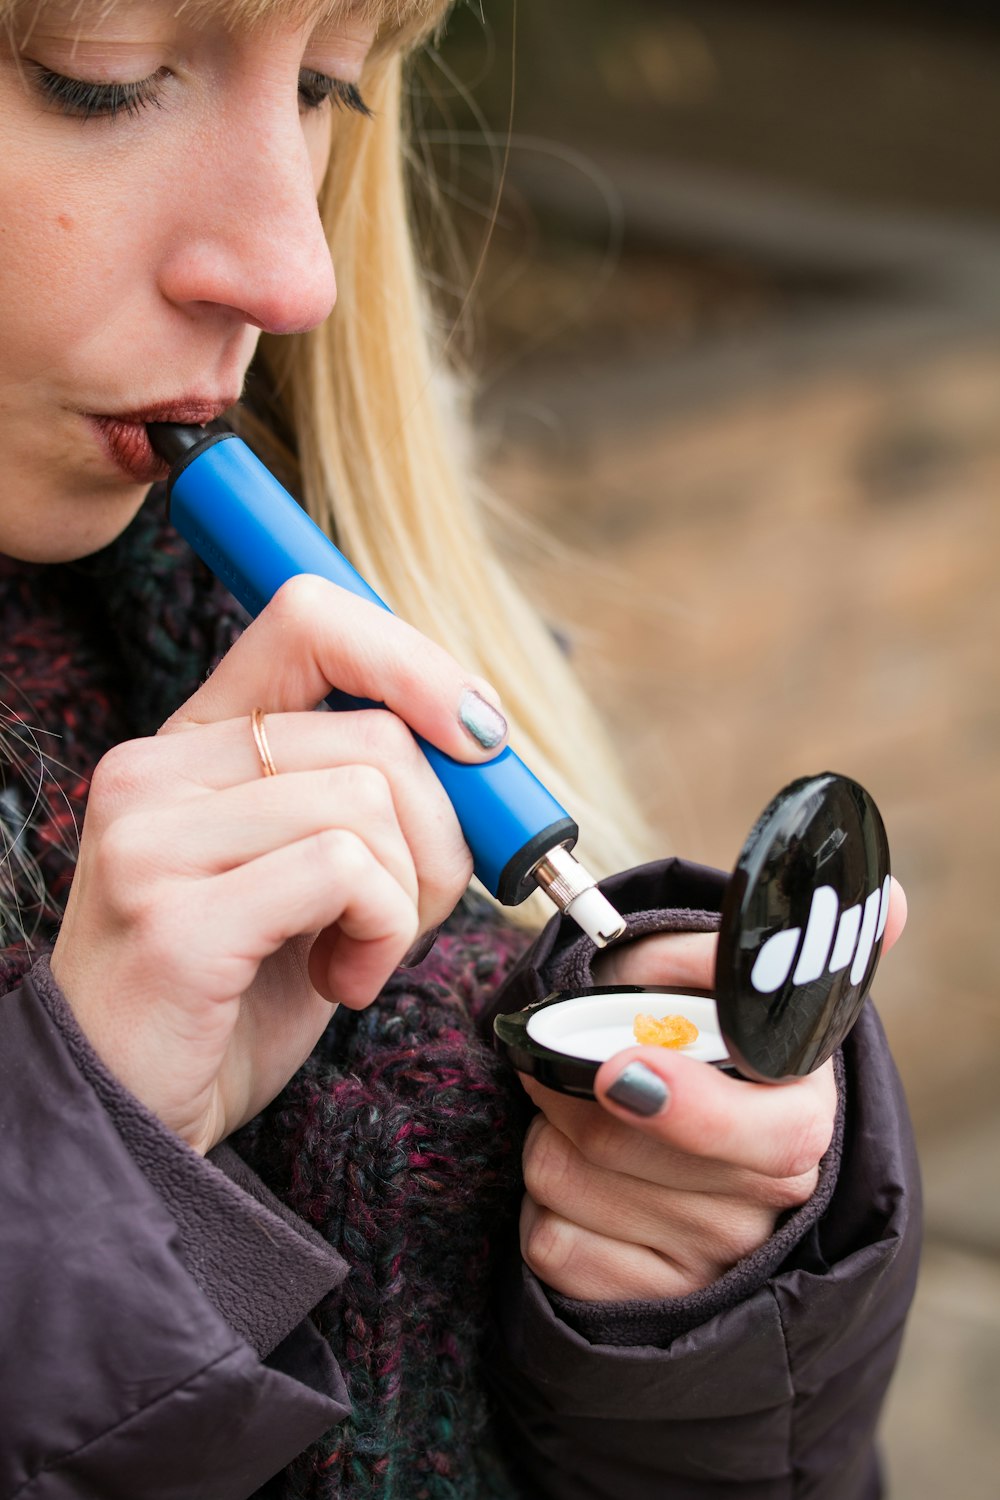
[84, 101]
[316, 88]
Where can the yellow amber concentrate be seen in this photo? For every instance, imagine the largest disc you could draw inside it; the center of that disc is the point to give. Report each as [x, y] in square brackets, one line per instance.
[668, 1031]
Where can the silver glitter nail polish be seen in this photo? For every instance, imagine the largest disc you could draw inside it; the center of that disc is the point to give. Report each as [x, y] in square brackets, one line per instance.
[639, 1089]
[481, 720]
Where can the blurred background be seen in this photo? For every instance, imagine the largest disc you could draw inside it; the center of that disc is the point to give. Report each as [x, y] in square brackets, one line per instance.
[738, 339]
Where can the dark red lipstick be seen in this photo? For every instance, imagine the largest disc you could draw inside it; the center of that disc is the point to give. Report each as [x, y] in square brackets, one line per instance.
[126, 441]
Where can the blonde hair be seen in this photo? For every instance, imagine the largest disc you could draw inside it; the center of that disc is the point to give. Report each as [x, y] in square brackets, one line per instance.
[384, 465]
[377, 451]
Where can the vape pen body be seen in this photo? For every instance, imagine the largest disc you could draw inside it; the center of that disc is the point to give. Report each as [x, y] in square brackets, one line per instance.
[254, 536]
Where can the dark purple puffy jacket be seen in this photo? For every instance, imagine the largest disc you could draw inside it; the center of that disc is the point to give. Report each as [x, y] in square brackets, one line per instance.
[155, 1340]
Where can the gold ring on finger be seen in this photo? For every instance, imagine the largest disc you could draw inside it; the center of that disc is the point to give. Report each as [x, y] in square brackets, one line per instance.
[260, 740]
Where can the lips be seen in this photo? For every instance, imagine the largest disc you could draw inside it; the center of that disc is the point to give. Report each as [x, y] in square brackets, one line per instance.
[126, 441]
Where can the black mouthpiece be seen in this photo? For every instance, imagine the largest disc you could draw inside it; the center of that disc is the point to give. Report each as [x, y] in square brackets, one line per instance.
[173, 441]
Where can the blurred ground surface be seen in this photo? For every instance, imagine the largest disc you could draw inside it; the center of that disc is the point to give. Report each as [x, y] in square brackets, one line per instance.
[743, 361]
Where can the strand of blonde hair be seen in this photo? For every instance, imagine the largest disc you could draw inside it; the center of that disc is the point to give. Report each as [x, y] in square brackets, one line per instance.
[384, 466]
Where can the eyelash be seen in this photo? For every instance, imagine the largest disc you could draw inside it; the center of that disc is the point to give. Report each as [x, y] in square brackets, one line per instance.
[87, 101]
[316, 88]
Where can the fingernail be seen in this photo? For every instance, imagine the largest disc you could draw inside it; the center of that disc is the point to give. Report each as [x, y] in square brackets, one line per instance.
[419, 950]
[485, 723]
[639, 1089]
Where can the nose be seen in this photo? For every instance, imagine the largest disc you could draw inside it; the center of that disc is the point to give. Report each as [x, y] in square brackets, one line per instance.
[246, 235]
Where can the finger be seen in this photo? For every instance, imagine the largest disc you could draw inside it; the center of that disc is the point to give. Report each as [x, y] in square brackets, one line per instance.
[205, 836]
[314, 636]
[224, 755]
[330, 878]
[591, 1267]
[777, 1131]
[675, 958]
[377, 744]
[896, 920]
[616, 1145]
[708, 1231]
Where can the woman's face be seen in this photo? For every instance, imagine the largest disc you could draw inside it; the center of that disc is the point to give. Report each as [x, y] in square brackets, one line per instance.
[158, 181]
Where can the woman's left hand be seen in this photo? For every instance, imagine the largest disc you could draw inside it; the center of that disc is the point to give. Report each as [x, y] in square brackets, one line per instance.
[659, 1199]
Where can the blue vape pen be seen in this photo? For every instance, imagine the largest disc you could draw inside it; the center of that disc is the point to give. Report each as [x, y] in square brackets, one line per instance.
[255, 536]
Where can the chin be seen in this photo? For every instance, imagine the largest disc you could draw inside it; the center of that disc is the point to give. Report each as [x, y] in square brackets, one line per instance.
[65, 533]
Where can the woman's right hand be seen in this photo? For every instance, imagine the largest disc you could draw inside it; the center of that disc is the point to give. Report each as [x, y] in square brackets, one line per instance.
[217, 913]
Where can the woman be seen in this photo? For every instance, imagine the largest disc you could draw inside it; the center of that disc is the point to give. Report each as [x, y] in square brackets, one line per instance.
[260, 1175]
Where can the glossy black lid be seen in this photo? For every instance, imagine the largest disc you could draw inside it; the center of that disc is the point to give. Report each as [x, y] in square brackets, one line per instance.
[802, 924]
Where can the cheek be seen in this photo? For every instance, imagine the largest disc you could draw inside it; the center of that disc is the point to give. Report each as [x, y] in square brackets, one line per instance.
[62, 252]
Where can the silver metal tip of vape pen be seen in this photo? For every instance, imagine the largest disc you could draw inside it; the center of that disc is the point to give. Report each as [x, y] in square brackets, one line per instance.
[565, 881]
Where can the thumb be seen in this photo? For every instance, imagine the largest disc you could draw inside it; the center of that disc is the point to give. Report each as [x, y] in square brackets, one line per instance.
[779, 1130]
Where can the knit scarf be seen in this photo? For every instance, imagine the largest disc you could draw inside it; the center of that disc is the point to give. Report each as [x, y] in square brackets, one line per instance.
[399, 1140]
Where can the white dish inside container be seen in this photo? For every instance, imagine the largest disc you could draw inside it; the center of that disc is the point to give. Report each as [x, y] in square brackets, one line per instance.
[597, 1026]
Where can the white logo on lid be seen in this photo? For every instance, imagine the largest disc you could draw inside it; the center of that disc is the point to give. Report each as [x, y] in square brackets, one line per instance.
[857, 931]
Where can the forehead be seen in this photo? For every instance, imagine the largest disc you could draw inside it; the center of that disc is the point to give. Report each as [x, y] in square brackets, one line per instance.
[407, 18]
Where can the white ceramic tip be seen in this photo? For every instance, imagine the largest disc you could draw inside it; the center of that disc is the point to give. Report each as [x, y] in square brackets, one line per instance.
[595, 914]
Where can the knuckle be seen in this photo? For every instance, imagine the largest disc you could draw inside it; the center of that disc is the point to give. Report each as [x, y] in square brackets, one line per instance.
[793, 1191]
[412, 668]
[343, 849]
[300, 601]
[368, 789]
[599, 1139]
[120, 774]
[157, 927]
[463, 869]
[547, 1245]
[343, 855]
[390, 741]
[547, 1166]
[739, 1235]
[684, 1279]
[807, 1143]
[444, 872]
[143, 910]
[437, 845]
[122, 865]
